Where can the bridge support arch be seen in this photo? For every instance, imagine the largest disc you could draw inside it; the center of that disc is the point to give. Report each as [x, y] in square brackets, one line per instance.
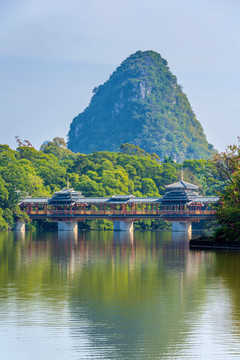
[122, 225]
[182, 227]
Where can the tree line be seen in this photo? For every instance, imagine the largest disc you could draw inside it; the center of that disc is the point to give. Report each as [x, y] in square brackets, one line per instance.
[40, 173]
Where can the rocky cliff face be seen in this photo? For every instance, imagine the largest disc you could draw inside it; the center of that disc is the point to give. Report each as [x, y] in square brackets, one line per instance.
[141, 104]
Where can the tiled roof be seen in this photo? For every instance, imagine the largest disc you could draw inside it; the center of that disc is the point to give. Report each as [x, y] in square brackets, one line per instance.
[65, 196]
[132, 200]
[122, 197]
[206, 199]
[30, 200]
[179, 196]
[177, 193]
[181, 185]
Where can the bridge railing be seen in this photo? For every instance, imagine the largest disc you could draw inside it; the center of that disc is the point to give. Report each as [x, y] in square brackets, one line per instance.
[121, 212]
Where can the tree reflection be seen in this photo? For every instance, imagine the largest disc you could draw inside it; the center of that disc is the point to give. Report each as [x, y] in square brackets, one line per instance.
[227, 268]
[129, 293]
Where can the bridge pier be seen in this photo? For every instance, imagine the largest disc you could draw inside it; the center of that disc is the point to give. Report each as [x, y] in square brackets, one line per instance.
[67, 226]
[122, 225]
[20, 226]
[182, 227]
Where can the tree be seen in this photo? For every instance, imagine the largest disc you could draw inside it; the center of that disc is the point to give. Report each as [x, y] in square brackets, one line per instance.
[227, 163]
[4, 195]
[228, 213]
[24, 143]
[149, 188]
[58, 148]
[3, 224]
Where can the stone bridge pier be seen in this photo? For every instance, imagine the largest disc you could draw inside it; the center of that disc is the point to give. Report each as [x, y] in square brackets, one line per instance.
[182, 227]
[72, 226]
[20, 226]
[68, 226]
[122, 225]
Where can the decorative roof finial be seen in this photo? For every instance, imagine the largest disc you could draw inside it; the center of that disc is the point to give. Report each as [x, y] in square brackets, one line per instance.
[181, 174]
[68, 183]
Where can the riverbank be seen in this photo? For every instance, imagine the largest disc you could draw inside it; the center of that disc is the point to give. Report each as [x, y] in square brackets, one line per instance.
[210, 242]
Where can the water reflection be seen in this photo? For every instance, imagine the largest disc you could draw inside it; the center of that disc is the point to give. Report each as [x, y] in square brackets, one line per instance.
[109, 295]
[178, 237]
[67, 236]
[122, 237]
[20, 235]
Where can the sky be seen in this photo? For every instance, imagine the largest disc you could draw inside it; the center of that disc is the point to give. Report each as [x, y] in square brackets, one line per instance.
[54, 52]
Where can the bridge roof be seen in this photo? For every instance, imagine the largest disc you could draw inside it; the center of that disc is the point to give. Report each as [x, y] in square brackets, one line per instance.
[94, 200]
[122, 197]
[183, 198]
[30, 200]
[131, 200]
[206, 199]
[182, 185]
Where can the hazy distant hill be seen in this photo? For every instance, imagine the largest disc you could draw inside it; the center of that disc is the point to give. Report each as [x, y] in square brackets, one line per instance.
[141, 104]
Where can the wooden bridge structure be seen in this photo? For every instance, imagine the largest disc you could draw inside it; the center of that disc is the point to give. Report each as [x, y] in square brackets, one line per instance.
[181, 205]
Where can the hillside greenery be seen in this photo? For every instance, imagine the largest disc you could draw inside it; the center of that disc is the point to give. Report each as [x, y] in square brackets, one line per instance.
[29, 172]
[142, 104]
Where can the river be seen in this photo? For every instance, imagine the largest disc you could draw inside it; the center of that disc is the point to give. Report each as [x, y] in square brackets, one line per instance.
[105, 295]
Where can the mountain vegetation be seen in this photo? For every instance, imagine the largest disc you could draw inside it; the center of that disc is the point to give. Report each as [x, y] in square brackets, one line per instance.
[142, 104]
[29, 172]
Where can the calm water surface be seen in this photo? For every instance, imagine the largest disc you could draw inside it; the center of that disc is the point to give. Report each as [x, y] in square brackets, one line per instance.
[105, 295]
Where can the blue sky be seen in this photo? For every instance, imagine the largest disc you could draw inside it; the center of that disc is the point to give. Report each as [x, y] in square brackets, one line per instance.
[53, 53]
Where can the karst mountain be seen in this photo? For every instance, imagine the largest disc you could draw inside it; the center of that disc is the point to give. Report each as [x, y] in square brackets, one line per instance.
[142, 104]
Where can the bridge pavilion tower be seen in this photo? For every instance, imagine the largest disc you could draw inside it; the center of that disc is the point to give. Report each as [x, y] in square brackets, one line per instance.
[178, 197]
[65, 200]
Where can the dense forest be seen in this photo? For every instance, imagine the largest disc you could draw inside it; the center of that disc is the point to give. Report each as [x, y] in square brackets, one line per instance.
[29, 172]
[142, 104]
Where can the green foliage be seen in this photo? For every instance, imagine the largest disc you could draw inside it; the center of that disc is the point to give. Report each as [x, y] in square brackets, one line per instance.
[3, 224]
[58, 148]
[205, 174]
[96, 225]
[140, 104]
[152, 225]
[131, 149]
[8, 217]
[3, 193]
[27, 171]
[228, 166]
[20, 215]
[149, 188]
